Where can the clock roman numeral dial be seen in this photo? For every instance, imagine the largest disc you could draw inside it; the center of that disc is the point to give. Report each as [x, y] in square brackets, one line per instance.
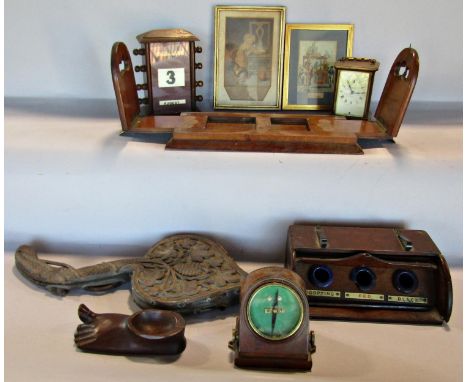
[352, 89]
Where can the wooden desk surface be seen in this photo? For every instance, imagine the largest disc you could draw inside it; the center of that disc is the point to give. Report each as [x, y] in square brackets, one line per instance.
[39, 344]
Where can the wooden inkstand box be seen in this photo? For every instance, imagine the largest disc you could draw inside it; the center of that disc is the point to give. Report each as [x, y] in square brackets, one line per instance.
[371, 274]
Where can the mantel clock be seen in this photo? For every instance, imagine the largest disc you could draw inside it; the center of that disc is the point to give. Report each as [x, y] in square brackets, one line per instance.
[272, 330]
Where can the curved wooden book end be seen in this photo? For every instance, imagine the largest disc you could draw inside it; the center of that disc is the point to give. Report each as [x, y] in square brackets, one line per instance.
[125, 88]
[398, 90]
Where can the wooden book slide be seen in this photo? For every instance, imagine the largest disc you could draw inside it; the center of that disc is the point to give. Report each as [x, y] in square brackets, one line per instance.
[268, 132]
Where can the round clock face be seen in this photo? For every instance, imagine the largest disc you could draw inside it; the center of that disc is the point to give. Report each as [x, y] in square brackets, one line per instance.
[351, 93]
[275, 311]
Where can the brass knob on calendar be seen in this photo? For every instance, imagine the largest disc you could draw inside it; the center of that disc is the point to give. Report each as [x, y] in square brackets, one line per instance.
[139, 52]
[198, 65]
[198, 49]
[142, 86]
[140, 68]
[199, 98]
[143, 101]
[199, 84]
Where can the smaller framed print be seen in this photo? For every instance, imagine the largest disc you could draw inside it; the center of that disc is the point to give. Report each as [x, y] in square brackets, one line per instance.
[310, 54]
[248, 57]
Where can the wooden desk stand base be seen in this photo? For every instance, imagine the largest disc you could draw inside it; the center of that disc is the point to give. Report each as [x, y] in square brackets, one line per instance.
[270, 132]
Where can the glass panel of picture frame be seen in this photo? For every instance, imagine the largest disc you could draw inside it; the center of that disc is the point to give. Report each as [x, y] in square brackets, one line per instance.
[310, 54]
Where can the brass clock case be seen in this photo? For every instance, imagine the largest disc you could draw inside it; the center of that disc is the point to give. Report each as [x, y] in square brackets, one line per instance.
[351, 69]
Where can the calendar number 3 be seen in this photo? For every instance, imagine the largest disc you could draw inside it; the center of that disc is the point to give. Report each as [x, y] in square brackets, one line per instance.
[171, 80]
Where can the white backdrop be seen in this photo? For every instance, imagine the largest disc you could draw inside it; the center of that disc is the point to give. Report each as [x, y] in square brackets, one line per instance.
[61, 48]
[73, 185]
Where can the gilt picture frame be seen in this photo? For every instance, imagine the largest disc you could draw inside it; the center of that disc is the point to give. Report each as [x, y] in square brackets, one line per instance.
[310, 54]
[248, 64]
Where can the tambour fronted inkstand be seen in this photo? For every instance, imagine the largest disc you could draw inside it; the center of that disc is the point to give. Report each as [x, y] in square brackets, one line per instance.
[371, 274]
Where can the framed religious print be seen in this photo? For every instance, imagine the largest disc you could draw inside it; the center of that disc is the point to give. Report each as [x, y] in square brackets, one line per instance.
[310, 54]
[248, 57]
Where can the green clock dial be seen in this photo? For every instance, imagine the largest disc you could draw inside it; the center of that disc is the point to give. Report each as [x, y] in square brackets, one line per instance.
[275, 311]
[351, 93]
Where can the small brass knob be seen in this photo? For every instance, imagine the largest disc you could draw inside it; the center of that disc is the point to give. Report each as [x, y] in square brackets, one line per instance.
[199, 98]
[142, 86]
[139, 52]
[140, 68]
[198, 65]
[143, 101]
[199, 84]
[198, 49]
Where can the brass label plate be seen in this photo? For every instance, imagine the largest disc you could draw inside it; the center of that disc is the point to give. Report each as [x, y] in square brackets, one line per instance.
[365, 296]
[408, 299]
[323, 293]
[316, 95]
[172, 102]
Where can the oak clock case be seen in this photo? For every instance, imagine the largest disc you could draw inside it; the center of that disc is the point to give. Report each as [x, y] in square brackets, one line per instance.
[353, 87]
[169, 65]
[272, 330]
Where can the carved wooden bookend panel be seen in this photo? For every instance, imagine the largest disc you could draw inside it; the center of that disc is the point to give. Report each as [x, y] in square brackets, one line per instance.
[186, 273]
[398, 90]
[125, 88]
[371, 274]
[148, 332]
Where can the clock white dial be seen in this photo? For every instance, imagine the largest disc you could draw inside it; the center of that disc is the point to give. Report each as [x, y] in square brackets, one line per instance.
[351, 93]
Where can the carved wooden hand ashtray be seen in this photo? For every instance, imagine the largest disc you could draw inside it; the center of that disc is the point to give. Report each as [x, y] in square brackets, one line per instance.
[150, 331]
[185, 273]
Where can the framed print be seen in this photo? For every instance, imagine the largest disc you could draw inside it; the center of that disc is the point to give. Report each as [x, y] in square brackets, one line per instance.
[310, 54]
[248, 57]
